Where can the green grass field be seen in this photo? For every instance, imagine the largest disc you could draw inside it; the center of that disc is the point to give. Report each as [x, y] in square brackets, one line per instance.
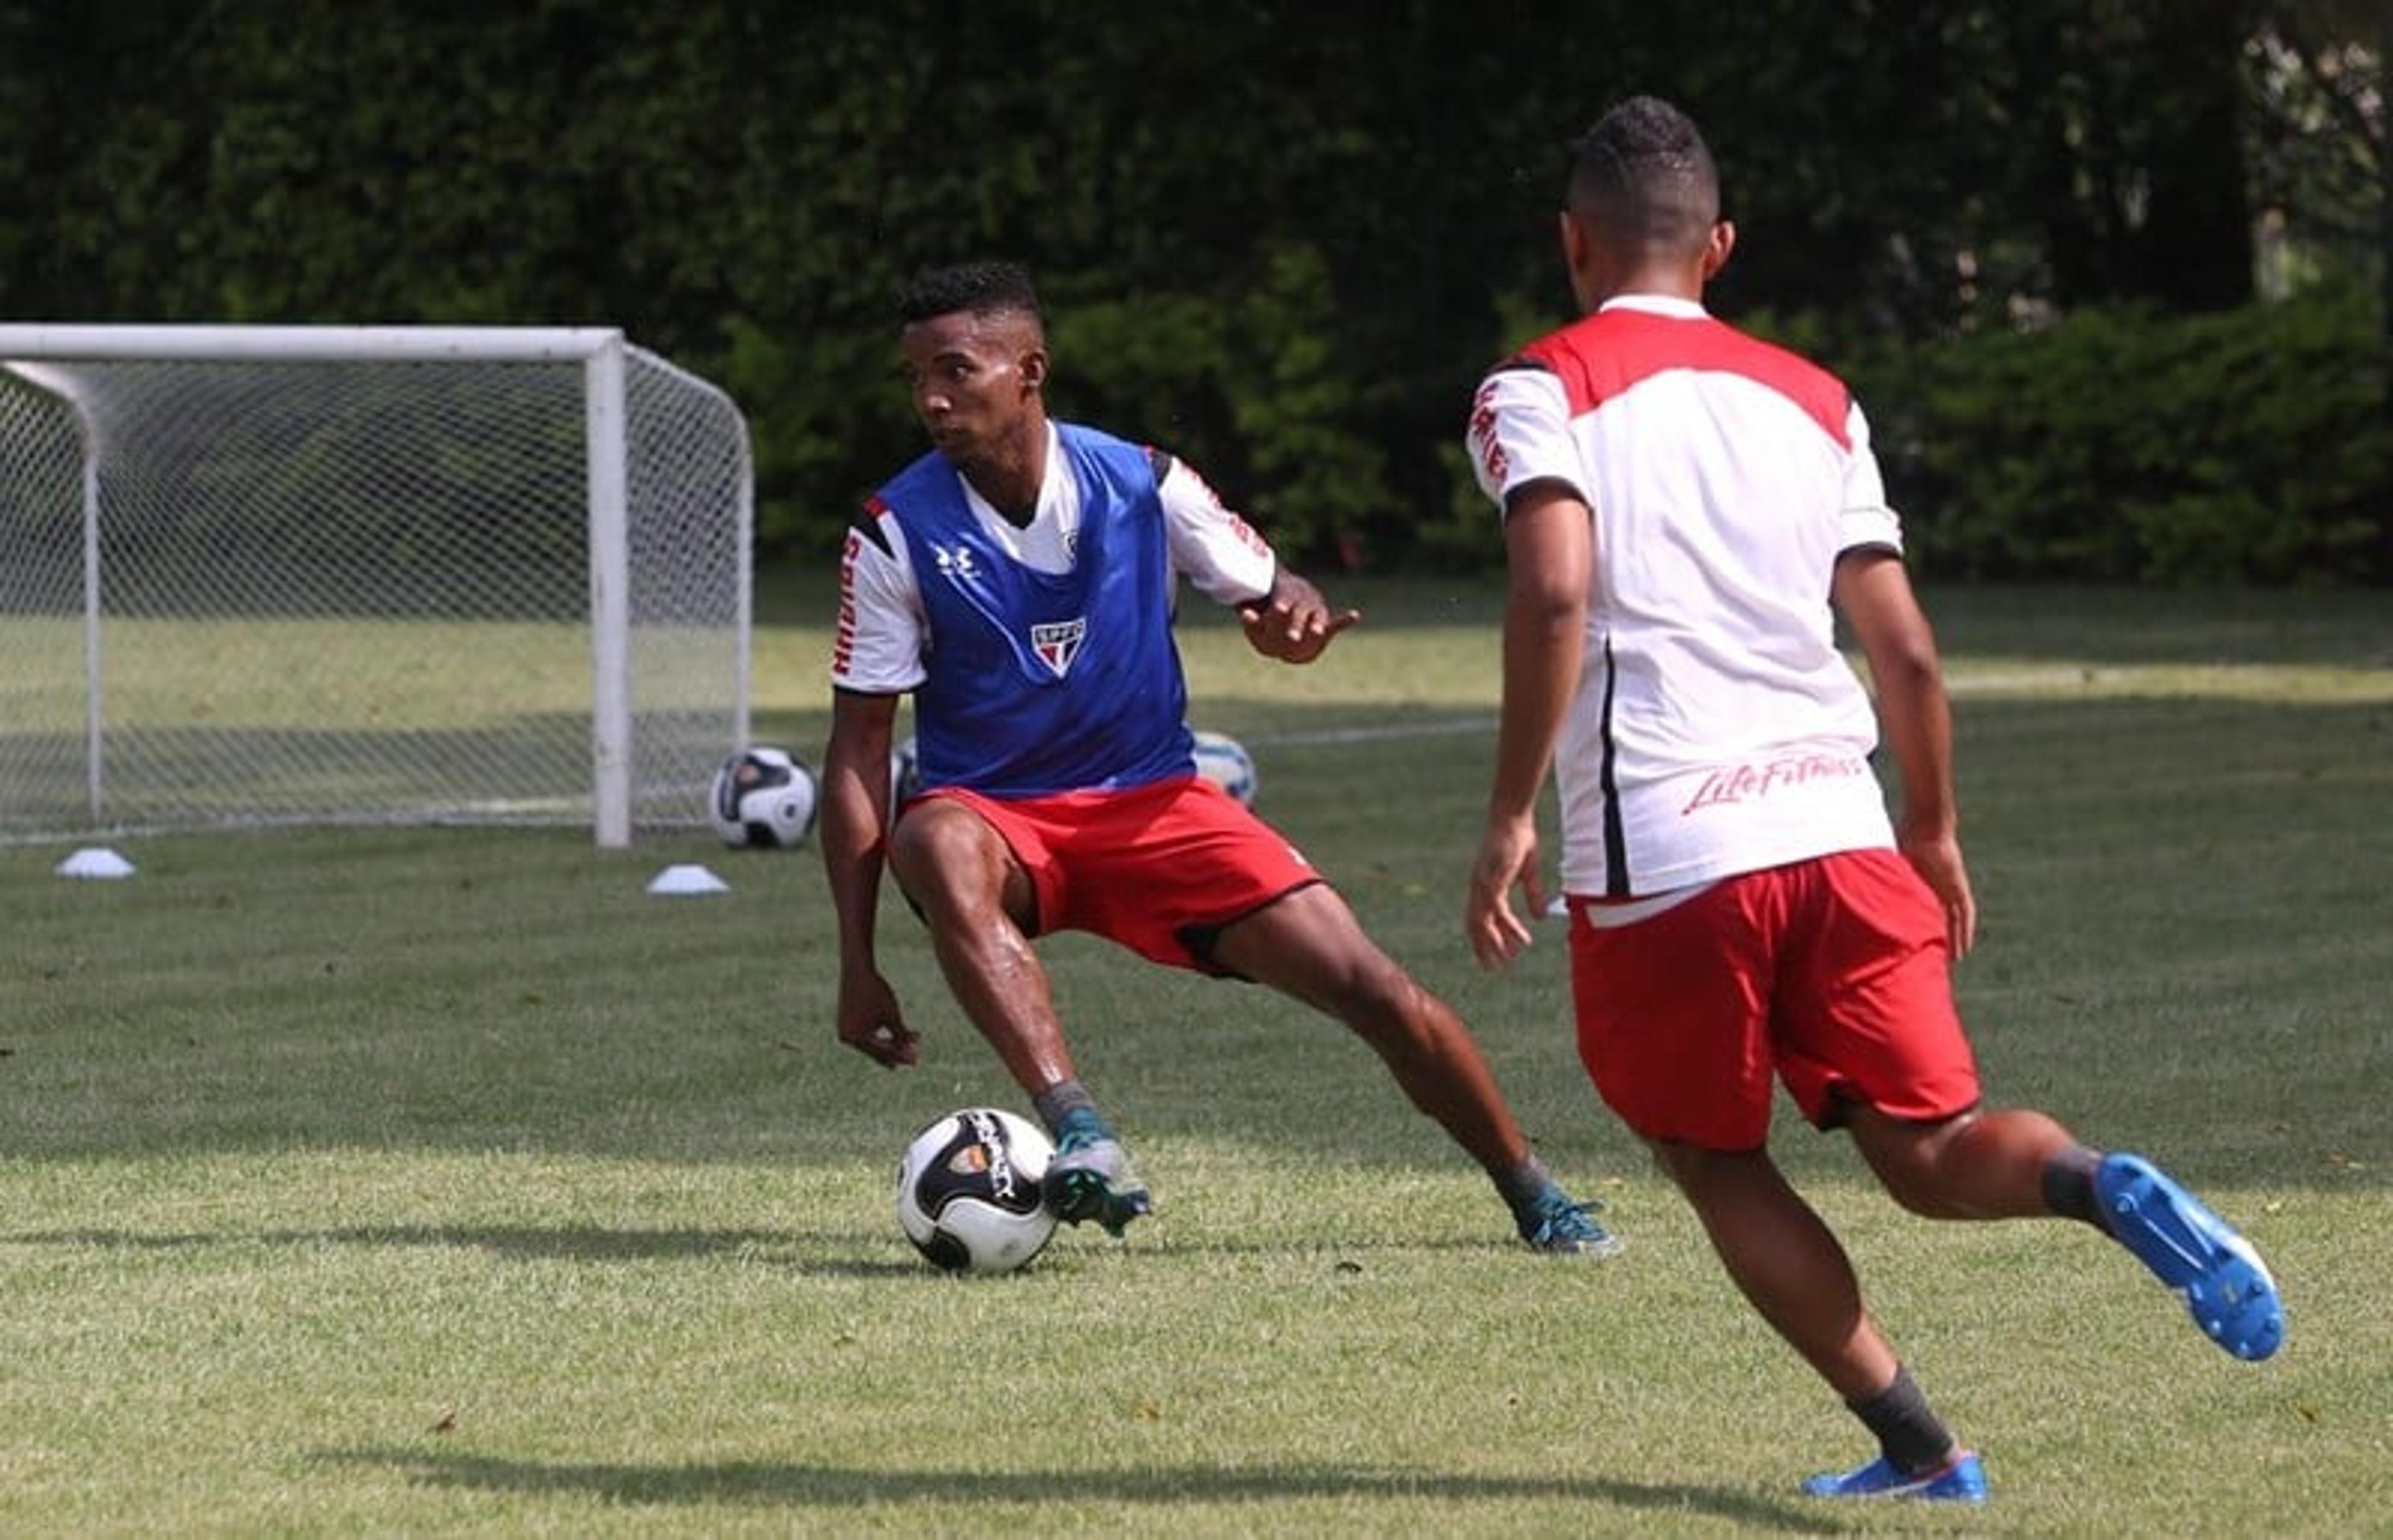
[443, 1181]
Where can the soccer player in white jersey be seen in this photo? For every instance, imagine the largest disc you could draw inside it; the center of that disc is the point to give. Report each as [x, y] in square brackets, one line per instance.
[1018, 581]
[1682, 504]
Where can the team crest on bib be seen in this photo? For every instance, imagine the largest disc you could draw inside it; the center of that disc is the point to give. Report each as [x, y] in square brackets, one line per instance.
[1058, 642]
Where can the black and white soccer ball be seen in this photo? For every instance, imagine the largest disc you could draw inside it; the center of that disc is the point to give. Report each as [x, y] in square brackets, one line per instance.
[1224, 761]
[905, 773]
[968, 1190]
[762, 798]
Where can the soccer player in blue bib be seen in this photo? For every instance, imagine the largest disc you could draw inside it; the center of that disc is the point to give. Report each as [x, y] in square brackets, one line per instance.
[1018, 582]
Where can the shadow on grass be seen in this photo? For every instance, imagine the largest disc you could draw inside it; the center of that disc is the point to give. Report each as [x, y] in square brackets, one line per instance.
[797, 1250]
[521, 1243]
[749, 1481]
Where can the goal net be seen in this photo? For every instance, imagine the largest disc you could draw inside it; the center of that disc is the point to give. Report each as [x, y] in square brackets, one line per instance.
[339, 574]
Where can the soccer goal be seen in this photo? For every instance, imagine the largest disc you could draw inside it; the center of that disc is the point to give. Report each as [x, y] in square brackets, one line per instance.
[307, 574]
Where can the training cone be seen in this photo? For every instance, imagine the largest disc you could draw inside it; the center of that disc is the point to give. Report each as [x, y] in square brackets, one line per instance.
[94, 861]
[687, 880]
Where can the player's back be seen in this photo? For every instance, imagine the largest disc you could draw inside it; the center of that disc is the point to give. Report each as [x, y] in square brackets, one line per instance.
[1724, 476]
[1720, 471]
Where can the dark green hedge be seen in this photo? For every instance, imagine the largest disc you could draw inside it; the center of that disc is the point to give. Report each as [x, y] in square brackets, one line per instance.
[2117, 444]
[1281, 239]
[2125, 446]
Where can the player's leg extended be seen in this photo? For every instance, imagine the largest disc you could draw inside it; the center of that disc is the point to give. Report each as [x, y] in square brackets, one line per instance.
[1790, 1266]
[1308, 944]
[2018, 1163]
[1785, 1259]
[1980, 1164]
[1888, 1039]
[978, 903]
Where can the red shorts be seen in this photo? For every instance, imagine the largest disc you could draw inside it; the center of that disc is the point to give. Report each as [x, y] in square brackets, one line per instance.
[1160, 869]
[1834, 973]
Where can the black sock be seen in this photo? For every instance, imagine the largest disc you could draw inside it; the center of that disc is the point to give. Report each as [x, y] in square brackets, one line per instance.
[2069, 1186]
[1061, 1100]
[1522, 1185]
[1908, 1433]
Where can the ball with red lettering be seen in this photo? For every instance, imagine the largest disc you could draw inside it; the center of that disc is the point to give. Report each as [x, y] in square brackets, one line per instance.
[968, 1190]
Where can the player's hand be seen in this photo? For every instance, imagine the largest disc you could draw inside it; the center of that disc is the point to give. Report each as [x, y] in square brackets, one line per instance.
[1294, 623]
[1937, 858]
[1508, 858]
[871, 1024]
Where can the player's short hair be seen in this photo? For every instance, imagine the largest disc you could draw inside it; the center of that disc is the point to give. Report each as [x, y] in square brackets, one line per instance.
[974, 288]
[1644, 177]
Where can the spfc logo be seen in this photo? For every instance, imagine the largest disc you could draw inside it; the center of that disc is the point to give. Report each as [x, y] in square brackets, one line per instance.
[1058, 642]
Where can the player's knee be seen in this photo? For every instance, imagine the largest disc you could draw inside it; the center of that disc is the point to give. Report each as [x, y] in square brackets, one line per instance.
[912, 859]
[1380, 1002]
[938, 861]
[1911, 1164]
[1923, 1198]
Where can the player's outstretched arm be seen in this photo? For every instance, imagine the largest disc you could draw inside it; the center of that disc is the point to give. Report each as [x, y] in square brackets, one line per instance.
[854, 835]
[1547, 550]
[1293, 622]
[1873, 591]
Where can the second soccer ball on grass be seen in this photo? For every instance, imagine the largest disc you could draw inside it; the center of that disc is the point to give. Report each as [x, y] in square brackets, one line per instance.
[764, 798]
[1224, 761]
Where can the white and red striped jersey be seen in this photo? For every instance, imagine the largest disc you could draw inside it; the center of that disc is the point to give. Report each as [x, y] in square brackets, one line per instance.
[1716, 729]
[882, 629]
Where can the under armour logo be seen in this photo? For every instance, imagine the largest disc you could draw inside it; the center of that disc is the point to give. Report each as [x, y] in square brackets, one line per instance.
[955, 561]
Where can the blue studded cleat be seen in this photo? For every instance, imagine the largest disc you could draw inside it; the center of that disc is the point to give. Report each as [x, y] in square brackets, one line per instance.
[1961, 1479]
[1559, 1227]
[2193, 1251]
[1091, 1179]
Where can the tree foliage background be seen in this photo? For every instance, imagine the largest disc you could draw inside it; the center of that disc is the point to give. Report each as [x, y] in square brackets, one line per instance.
[1285, 239]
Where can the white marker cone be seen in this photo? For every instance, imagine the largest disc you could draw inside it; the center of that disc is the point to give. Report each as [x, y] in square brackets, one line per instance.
[94, 861]
[680, 881]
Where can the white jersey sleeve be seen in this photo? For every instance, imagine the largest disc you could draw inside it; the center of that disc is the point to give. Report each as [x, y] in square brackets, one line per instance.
[1216, 550]
[1521, 432]
[877, 648]
[1868, 523]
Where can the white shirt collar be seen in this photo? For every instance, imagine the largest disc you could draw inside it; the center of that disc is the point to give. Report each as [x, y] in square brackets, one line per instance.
[1658, 305]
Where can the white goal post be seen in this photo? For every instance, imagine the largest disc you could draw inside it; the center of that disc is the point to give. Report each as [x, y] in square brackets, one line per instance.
[396, 574]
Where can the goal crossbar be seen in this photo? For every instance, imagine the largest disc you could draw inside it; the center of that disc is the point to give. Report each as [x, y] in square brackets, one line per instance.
[193, 343]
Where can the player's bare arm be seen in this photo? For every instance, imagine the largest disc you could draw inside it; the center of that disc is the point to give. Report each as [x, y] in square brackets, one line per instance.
[1873, 591]
[1548, 548]
[854, 826]
[1293, 622]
